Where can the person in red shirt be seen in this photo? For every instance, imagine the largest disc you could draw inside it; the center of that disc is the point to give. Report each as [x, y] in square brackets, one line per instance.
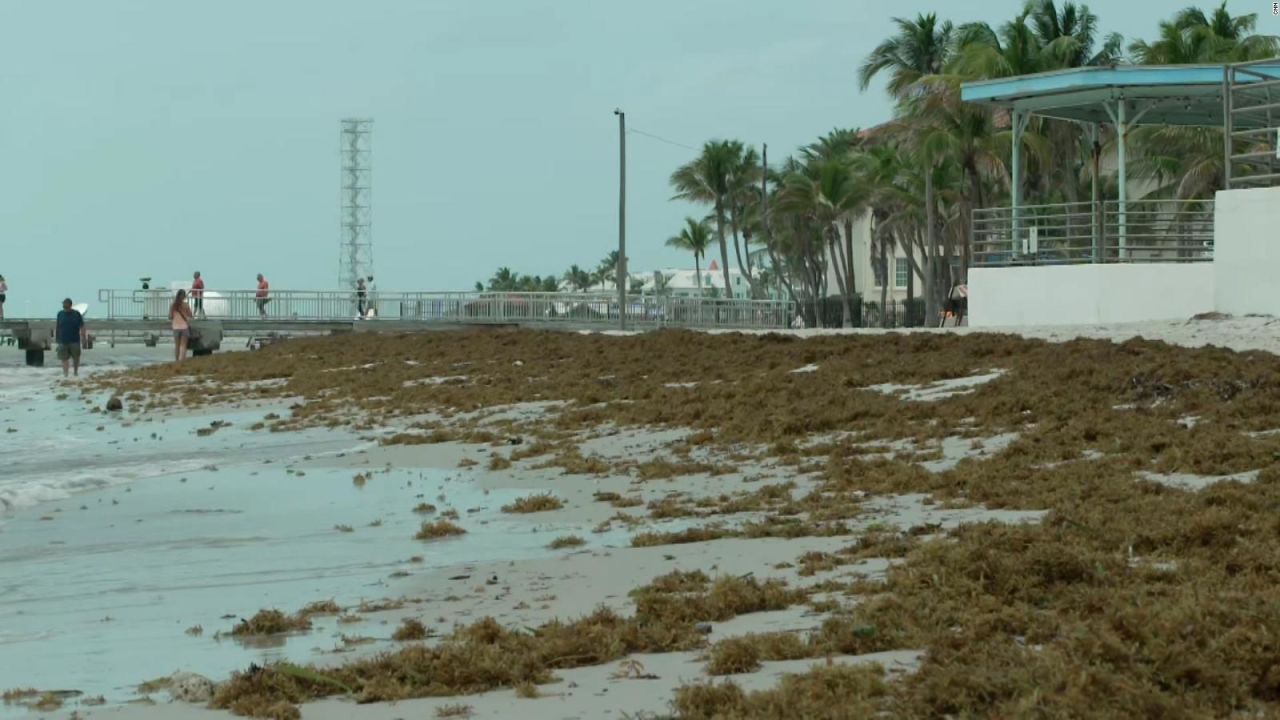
[197, 294]
[262, 296]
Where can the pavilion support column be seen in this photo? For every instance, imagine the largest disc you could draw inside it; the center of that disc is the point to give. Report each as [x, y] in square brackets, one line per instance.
[1019, 120]
[1014, 180]
[1096, 206]
[1122, 131]
[1120, 120]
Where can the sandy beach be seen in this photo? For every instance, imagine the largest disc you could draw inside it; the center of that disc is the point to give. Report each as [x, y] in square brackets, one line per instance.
[828, 477]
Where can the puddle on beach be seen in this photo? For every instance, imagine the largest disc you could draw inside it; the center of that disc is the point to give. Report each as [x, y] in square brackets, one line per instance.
[113, 543]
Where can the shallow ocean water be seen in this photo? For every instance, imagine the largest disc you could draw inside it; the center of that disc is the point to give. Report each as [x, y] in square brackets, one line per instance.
[114, 542]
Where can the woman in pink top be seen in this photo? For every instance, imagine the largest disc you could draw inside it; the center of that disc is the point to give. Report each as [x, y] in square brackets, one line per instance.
[180, 319]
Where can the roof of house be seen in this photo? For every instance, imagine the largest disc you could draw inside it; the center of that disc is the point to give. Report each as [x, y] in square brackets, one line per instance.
[1161, 94]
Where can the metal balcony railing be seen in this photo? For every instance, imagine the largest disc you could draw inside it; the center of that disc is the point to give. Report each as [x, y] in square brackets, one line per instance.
[1251, 123]
[1152, 230]
[459, 307]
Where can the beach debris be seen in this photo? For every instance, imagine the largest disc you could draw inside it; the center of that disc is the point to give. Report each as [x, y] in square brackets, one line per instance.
[320, 607]
[195, 630]
[47, 702]
[703, 627]
[632, 669]
[424, 508]
[310, 675]
[438, 529]
[541, 502]
[566, 541]
[350, 641]
[409, 630]
[270, 622]
[189, 687]
[359, 480]
[115, 404]
[454, 711]
[18, 695]
[527, 691]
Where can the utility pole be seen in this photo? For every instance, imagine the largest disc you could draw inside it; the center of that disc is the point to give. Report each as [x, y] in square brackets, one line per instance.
[622, 219]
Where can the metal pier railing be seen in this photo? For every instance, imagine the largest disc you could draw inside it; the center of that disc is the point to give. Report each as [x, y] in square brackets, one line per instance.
[524, 308]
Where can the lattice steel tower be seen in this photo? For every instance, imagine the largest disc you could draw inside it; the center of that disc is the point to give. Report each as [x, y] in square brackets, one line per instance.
[355, 254]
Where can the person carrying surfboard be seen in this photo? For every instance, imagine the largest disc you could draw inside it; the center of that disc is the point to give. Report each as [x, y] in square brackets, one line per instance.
[70, 333]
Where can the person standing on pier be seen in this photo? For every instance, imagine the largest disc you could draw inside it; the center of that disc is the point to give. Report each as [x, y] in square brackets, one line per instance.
[197, 294]
[180, 321]
[70, 333]
[263, 295]
[4, 290]
[362, 293]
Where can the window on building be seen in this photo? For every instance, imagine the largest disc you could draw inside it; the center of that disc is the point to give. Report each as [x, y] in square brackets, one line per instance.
[901, 271]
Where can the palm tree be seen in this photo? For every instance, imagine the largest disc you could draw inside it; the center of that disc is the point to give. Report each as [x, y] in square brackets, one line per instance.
[921, 47]
[1187, 162]
[694, 237]
[828, 192]
[797, 239]
[577, 278]
[744, 194]
[662, 283]
[503, 280]
[1184, 163]
[1193, 37]
[840, 142]
[1068, 35]
[607, 270]
[709, 179]
[879, 167]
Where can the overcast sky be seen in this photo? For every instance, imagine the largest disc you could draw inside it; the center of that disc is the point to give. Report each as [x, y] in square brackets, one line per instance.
[156, 137]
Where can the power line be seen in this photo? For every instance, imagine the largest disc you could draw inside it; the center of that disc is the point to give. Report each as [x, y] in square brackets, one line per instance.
[659, 138]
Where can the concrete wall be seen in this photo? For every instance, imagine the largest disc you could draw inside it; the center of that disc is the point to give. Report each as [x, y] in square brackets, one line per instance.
[1090, 294]
[1246, 232]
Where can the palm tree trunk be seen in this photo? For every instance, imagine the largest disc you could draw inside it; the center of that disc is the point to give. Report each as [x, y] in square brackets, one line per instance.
[912, 269]
[851, 279]
[842, 257]
[724, 251]
[975, 201]
[884, 281]
[735, 214]
[783, 277]
[833, 247]
[697, 270]
[931, 249]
